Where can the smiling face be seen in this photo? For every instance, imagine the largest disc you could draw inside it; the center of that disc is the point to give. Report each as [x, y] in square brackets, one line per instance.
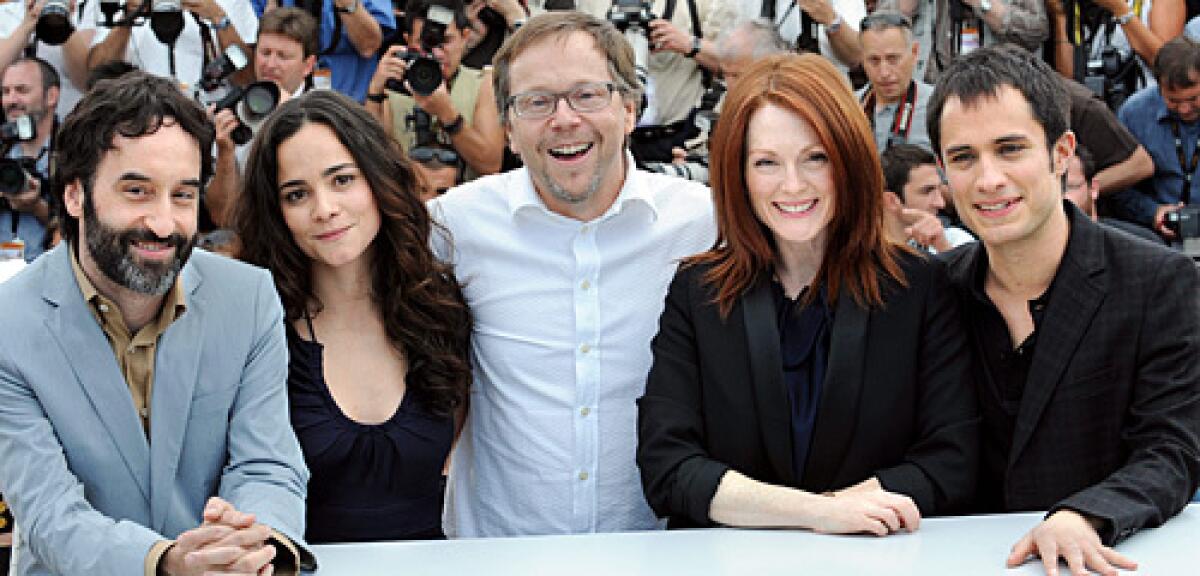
[1006, 184]
[138, 221]
[326, 201]
[576, 159]
[789, 179]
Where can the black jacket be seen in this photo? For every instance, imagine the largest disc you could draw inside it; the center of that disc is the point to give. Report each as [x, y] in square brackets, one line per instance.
[1109, 420]
[897, 401]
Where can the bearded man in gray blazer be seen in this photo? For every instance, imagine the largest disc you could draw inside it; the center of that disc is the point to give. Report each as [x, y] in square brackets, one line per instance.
[143, 410]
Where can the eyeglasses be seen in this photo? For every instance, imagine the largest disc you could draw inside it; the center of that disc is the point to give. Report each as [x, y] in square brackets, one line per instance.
[589, 97]
[425, 155]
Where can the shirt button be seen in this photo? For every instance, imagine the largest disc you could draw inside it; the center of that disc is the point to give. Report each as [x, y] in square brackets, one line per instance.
[585, 348]
[585, 411]
[583, 476]
[585, 285]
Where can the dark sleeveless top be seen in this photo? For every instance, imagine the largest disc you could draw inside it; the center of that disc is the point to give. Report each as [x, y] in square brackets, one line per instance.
[369, 481]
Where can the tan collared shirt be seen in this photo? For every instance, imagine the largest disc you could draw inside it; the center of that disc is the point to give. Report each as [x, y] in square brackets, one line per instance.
[134, 352]
[135, 356]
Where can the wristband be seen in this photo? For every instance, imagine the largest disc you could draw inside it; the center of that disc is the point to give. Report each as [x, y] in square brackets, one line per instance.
[349, 9]
[222, 24]
[695, 47]
[377, 98]
[454, 127]
[833, 27]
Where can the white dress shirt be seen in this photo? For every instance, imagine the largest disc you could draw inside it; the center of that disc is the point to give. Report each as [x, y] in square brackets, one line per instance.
[563, 315]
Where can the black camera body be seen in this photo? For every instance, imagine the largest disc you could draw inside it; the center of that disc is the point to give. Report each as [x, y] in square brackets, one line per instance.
[1185, 223]
[166, 17]
[216, 72]
[631, 14]
[15, 174]
[424, 73]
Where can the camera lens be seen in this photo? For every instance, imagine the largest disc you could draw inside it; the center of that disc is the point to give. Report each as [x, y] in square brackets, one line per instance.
[424, 75]
[261, 98]
[12, 177]
[54, 23]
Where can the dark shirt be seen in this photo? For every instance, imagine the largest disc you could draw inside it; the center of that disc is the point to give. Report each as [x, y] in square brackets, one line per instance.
[1002, 370]
[369, 481]
[804, 349]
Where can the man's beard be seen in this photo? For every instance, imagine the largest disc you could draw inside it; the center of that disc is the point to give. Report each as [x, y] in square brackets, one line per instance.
[112, 251]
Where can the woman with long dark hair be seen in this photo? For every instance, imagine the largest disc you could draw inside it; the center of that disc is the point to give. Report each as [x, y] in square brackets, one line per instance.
[377, 328]
[807, 373]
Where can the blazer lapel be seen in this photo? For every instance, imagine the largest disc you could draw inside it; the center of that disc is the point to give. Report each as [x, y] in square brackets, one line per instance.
[87, 351]
[1079, 287]
[766, 367]
[838, 411]
[176, 368]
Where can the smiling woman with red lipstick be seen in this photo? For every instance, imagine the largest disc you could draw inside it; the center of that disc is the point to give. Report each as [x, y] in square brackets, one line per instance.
[807, 373]
[377, 329]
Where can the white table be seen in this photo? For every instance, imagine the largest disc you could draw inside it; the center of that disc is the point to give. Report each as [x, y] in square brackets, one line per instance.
[967, 545]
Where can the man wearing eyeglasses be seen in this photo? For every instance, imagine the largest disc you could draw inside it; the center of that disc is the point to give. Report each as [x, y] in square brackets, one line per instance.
[565, 264]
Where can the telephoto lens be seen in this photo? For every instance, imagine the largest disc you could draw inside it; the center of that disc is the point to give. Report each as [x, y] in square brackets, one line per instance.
[13, 177]
[166, 20]
[54, 23]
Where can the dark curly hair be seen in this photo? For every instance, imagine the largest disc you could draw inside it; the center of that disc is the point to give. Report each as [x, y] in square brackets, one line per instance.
[424, 312]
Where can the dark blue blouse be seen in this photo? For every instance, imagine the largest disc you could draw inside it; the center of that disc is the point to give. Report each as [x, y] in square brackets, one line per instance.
[369, 481]
[804, 349]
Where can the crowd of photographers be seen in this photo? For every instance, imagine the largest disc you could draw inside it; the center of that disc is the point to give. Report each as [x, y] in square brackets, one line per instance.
[422, 69]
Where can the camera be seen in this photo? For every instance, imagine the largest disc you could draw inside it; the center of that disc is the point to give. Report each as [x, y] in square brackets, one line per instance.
[15, 174]
[706, 114]
[424, 73]
[213, 76]
[54, 23]
[251, 105]
[632, 18]
[1113, 76]
[1185, 223]
[166, 20]
[20, 129]
[426, 148]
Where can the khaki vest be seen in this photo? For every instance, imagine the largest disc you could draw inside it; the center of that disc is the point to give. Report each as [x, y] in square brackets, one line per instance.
[464, 91]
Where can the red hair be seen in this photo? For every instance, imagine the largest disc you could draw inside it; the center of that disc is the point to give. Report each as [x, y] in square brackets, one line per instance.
[857, 251]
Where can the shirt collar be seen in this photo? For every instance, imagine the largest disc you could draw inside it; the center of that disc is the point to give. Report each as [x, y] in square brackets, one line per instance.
[635, 189]
[173, 307]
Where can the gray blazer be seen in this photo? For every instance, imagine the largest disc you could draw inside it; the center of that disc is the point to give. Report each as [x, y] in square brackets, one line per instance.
[89, 492]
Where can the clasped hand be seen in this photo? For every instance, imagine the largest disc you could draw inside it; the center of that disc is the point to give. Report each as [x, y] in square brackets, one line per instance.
[227, 542]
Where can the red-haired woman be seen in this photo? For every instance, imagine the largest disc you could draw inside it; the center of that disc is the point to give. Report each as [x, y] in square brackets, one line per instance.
[807, 373]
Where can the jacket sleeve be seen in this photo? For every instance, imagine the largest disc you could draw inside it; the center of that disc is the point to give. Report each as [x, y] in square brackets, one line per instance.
[1161, 432]
[265, 473]
[56, 521]
[939, 469]
[678, 476]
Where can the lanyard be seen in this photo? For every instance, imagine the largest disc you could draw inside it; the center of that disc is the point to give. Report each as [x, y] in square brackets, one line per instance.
[902, 119]
[1189, 169]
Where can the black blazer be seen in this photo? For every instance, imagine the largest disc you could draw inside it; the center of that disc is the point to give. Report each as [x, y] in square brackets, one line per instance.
[897, 402]
[1109, 422]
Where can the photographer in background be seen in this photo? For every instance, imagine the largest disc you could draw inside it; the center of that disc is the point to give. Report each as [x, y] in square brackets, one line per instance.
[29, 87]
[351, 33]
[1166, 120]
[459, 111]
[1109, 45]
[491, 22]
[945, 29]
[894, 101]
[286, 53]
[208, 28]
[18, 26]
